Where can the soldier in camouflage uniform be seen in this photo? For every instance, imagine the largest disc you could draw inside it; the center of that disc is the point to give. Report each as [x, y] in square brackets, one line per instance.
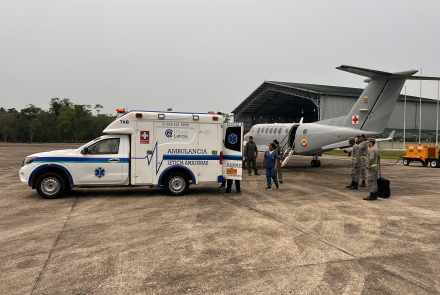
[363, 158]
[354, 164]
[373, 160]
[280, 160]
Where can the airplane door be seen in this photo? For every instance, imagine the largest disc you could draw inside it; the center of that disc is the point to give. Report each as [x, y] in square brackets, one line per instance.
[292, 137]
[232, 163]
[144, 146]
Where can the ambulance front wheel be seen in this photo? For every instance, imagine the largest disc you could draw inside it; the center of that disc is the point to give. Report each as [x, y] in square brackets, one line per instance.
[176, 184]
[50, 185]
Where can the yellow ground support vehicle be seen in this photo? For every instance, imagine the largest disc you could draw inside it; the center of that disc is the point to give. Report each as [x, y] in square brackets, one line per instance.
[426, 154]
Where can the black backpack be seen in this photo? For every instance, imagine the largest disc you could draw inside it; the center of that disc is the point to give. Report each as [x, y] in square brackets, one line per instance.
[383, 186]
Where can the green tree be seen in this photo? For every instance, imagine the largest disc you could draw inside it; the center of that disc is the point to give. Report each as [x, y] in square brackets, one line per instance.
[228, 117]
[7, 123]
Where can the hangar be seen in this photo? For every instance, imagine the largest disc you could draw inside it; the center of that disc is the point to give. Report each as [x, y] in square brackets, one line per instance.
[286, 102]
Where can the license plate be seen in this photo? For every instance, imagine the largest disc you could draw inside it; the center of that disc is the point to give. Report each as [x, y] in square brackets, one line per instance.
[231, 171]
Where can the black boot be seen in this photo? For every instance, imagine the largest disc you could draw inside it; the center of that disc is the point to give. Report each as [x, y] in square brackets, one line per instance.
[363, 184]
[371, 197]
[351, 184]
[354, 186]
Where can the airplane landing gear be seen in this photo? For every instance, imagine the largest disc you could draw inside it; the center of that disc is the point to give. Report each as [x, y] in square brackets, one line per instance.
[315, 162]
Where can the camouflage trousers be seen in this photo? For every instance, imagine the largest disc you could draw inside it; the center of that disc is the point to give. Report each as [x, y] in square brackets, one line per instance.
[279, 171]
[372, 179]
[363, 166]
[355, 172]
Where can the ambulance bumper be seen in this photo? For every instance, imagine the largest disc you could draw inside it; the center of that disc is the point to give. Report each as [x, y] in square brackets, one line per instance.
[24, 174]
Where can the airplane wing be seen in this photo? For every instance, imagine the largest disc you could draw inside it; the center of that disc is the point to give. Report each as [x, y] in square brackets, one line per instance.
[338, 145]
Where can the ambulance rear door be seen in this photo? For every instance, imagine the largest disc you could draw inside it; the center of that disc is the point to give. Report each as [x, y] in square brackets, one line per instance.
[144, 151]
[232, 164]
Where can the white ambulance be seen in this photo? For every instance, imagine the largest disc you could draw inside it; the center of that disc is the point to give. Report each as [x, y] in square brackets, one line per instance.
[143, 148]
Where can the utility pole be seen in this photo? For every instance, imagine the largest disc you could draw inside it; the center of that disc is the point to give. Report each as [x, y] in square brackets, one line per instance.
[420, 106]
[436, 127]
[404, 122]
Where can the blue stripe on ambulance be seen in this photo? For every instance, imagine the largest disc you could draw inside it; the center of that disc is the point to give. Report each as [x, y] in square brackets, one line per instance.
[77, 160]
[191, 157]
[231, 157]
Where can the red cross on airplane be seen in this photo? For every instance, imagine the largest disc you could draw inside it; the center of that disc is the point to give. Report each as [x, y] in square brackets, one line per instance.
[355, 120]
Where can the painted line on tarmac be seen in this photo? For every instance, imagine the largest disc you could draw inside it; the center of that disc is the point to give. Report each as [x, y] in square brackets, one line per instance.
[414, 189]
[53, 247]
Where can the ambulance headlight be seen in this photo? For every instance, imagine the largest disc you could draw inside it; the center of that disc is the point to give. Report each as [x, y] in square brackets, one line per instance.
[29, 160]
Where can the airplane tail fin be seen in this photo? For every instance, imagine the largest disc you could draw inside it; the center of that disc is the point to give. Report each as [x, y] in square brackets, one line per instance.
[373, 109]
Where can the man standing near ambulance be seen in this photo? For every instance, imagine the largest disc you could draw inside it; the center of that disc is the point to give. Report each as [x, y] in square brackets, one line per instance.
[251, 154]
[270, 162]
[363, 158]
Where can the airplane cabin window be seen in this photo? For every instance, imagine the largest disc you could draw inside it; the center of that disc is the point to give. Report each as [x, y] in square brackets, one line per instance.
[270, 131]
[267, 130]
[287, 130]
[279, 130]
[262, 130]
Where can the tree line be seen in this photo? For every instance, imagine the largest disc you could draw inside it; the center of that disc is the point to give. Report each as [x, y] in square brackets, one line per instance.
[64, 121]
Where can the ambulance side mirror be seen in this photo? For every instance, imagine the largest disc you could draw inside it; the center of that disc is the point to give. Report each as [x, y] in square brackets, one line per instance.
[85, 151]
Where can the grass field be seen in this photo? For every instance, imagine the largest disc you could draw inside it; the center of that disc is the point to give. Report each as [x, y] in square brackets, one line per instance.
[384, 154]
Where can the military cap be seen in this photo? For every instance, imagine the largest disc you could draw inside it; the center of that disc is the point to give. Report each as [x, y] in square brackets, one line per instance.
[371, 140]
[352, 138]
[361, 135]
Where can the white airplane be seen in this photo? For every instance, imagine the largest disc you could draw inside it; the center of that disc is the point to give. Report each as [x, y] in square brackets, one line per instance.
[369, 116]
[388, 138]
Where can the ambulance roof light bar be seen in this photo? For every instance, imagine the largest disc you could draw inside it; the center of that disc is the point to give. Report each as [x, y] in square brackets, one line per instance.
[120, 112]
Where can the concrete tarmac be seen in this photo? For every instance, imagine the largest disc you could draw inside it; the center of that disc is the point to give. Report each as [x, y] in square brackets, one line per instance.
[311, 236]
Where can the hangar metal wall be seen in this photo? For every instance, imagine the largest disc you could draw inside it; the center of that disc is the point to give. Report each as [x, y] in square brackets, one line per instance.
[335, 106]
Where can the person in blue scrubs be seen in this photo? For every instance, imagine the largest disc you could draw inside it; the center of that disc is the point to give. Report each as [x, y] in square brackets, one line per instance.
[270, 162]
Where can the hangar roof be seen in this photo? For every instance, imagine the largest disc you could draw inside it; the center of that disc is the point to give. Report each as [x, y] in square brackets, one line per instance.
[277, 90]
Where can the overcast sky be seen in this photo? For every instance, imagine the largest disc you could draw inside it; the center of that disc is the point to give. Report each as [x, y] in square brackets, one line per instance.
[204, 55]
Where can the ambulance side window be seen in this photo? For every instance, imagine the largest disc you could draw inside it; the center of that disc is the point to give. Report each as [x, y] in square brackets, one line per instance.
[105, 147]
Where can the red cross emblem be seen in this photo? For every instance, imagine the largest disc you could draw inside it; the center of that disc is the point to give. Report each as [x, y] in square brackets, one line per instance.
[355, 120]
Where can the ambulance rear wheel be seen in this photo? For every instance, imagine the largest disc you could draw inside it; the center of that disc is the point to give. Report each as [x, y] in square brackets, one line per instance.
[176, 184]
[50, 185]
[405, 162]
[435, 163]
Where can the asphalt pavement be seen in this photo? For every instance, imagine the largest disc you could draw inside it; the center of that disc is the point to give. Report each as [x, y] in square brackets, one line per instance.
[310, 236]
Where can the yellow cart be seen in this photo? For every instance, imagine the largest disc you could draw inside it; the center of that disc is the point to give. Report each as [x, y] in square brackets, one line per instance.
[426, 154]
